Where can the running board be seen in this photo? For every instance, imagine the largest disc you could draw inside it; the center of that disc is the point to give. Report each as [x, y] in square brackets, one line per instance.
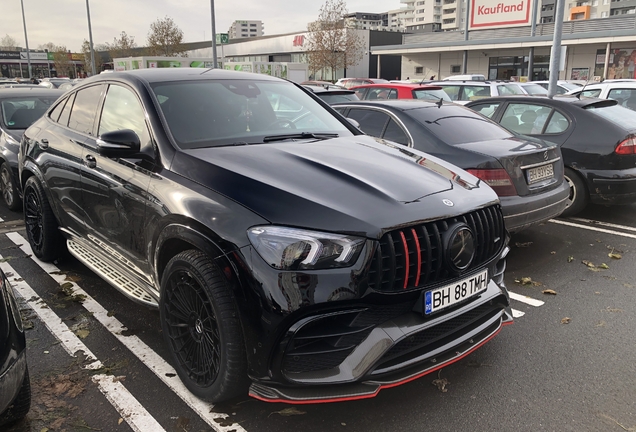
[117, 279]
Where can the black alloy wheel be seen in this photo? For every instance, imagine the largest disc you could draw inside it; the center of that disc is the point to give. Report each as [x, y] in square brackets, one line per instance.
[200, 322]
[20, 405]
[41, 226]
[579, 196]
[9, 190]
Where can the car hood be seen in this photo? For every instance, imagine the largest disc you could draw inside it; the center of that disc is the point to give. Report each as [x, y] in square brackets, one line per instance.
[349, 184]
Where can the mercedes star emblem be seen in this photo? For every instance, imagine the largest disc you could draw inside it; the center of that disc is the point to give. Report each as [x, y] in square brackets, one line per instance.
[448, 202]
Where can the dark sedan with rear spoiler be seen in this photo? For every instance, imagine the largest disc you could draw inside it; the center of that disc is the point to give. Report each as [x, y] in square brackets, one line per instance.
[526, 173]
[596, 136]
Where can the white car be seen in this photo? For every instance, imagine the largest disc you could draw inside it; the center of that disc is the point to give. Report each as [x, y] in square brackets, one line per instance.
[471, 77]
[562, 86]
[622, 91]
[462, 92]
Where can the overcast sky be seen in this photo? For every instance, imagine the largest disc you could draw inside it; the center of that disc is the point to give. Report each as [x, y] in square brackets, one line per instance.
[64, 22]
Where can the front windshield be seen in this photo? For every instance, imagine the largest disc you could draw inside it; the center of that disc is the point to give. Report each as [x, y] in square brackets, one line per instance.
[20, 113]
[431, 94]
[225, 112]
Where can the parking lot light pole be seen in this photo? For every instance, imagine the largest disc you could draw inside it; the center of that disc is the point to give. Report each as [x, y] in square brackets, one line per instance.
[214, 61]
[555, 53]
[90, 39]
[26, 40]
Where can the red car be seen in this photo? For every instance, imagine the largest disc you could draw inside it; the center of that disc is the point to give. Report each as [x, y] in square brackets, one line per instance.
[400, 91]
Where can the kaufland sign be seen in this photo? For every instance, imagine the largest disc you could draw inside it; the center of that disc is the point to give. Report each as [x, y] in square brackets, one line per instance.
[499, 13]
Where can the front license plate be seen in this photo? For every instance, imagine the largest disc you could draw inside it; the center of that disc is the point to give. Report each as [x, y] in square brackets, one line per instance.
[449, 295]
[540, 173]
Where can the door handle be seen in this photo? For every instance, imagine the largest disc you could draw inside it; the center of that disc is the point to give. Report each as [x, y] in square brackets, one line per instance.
[90, 161]
[44, 143]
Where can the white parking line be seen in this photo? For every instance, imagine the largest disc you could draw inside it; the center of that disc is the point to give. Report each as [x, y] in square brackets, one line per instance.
[517, 313]
[606, 224]
[144, 353]
[125, 403]
[526, 299]
[590, 228]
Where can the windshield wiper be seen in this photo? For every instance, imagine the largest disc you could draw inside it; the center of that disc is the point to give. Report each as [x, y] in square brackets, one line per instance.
[301, 135]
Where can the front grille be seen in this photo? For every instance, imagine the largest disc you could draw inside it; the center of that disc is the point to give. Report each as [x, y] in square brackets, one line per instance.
[413, 257]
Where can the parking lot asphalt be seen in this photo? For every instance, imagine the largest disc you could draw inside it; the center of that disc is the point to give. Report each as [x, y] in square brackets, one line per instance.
[565, 365]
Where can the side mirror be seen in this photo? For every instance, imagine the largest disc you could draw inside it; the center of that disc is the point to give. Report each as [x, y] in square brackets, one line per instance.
[353, 122]
[120, 143]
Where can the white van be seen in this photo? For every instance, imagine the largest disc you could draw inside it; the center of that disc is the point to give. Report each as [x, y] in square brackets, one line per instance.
[471, 77]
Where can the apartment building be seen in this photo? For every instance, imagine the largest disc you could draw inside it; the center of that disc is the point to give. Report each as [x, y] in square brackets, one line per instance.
[418, 14]
[245, 29]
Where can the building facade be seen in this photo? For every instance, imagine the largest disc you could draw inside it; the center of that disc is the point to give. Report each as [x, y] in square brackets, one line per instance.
[245, 29]
[15, 64]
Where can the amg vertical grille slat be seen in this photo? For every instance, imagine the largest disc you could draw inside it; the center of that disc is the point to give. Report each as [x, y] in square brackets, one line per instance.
[391, 280]
[414, 256]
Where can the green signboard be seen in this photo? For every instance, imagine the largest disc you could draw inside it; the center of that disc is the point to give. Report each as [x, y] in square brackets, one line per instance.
[222, 38]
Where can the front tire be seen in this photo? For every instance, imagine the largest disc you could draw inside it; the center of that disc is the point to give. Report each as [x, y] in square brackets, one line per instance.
[579, 197]
[10, 193]
[41, 226]
[21, 405]
[200, 323]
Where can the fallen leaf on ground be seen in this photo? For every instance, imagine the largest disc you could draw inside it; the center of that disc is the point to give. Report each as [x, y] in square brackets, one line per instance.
[553, 253]
[120, 421]
[603, 266]
[613, 310]
[614, 255]
[289, 412]
[523, 245]
[566, 320]
[549, 291]
[528, 281]
[588, 263]
[82, 333]
[601, 324]
[441, 384]
[570, 259]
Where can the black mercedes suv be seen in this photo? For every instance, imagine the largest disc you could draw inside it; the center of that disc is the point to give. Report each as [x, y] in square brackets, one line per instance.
[286, 251]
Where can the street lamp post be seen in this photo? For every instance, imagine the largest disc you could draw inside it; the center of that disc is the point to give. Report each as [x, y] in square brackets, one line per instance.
[26, 40]
[214, 61]
[90, 39]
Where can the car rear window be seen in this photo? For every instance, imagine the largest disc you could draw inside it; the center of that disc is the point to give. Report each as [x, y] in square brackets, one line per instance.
[458, 125]
[332, 98]
[620, 116]
[509, 89]
[430, 94]
[535, 89]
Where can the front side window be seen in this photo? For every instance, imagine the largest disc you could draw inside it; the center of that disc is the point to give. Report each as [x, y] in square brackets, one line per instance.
[525, 119]
[122, 110]
[215, 113]
[84, 109]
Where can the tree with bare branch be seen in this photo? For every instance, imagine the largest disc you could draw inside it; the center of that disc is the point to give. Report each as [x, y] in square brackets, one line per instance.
[165, 38]
[330, 42]
[8, 43]
[62, 61]
[122, 46]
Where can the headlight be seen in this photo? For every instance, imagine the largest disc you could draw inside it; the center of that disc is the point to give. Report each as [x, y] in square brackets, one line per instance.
[296, 249]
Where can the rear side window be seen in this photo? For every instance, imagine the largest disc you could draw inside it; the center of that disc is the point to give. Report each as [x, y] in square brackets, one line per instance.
[84, 109]
[591, 93]
[371, 121]
[428, 94]
[558, 123]
[472, 92]
[624, 97]
[66, 112]
[381, 93]
[452, 91]
[487, 109]
[509, 89]
[525, 118]
[55, 114]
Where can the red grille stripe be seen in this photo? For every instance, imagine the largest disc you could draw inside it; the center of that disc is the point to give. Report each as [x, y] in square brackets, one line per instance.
[406, 259]
[419, 257]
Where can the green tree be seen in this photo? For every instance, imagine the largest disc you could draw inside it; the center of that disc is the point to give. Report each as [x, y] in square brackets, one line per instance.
[330, 42]
[165, 38]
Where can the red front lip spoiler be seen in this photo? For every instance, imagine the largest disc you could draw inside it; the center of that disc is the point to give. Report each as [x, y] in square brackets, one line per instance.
[383, 386]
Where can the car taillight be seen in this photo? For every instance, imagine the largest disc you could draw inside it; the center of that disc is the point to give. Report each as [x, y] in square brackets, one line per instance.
[626, 147]
[497, 179]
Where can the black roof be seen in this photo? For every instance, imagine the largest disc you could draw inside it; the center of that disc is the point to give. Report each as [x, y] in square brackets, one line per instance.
[29, 91]
[180, 74]
[556, 101]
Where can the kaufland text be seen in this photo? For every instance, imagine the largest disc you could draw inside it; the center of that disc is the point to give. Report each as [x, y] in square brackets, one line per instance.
[483, 10]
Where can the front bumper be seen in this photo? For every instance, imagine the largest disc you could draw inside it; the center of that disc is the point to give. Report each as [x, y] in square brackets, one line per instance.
[615, 187]
[368, 348]
[522, 212]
